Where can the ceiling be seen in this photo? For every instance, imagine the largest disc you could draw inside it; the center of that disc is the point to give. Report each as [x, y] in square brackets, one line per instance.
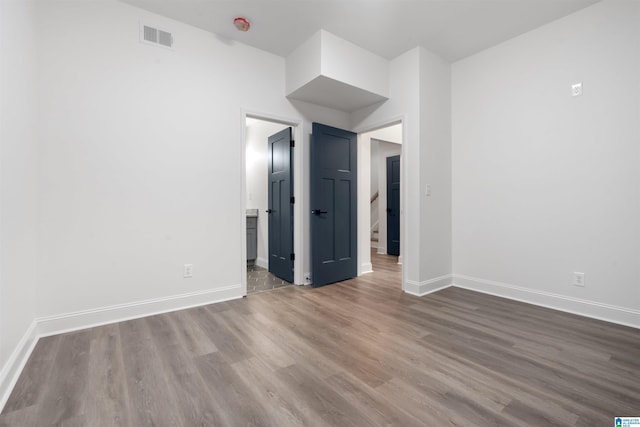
[453, 29]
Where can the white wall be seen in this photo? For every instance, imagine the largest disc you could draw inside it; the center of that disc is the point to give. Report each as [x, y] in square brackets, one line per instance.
[546, 184]
[258, 133]
[351, 64]
[391, 134]
[435, 164]
[420, 95]
[304, 63]
[403, 104]
[18, 185]
[374, 168]
[140, 157]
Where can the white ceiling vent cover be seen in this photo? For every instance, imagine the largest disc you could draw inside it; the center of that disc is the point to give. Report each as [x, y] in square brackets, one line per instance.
[155, 36]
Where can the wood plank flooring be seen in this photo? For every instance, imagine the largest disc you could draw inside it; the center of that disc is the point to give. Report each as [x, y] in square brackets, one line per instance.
[357, 353]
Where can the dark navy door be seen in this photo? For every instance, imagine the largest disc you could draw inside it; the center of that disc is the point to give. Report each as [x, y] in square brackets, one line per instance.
[393, 205]
[280, 205]
[333, 160]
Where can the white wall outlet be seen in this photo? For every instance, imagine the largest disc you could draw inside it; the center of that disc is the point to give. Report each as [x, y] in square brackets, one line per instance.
[427, 190]
[188, 270]
[578, 279]
[576, 89]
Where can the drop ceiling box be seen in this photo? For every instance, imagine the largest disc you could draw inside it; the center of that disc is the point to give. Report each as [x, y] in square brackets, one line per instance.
[335, 94]
[329, 71]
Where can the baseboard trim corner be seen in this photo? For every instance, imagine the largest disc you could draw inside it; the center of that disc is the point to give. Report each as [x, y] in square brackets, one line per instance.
[427, 286]
[13, 367]
[366, 267]
[595, 310]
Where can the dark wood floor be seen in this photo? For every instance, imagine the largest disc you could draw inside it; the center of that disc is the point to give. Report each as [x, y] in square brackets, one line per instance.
[358, 353]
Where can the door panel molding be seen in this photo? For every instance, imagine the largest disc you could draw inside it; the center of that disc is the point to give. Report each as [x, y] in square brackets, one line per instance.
[280, 209]
[333, 192]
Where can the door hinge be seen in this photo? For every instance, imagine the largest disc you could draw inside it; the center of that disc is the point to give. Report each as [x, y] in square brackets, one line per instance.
[293, 257]
[293, 143]
[292, 200]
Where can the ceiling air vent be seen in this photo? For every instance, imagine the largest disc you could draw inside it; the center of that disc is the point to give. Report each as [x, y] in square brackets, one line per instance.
[155, 36]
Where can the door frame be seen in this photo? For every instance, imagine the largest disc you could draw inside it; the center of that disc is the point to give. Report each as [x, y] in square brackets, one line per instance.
[364, 210]
[297, 163]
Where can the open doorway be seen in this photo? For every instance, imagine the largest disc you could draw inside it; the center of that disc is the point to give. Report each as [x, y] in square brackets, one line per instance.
[385, 196]
[380, 201]
[269, 204]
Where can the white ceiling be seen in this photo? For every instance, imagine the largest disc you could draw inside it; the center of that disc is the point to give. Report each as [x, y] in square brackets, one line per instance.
[453, 29]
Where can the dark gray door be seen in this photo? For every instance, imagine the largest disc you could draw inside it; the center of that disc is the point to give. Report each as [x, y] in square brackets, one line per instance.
[333, 202]
[281, 205]
[393, 205]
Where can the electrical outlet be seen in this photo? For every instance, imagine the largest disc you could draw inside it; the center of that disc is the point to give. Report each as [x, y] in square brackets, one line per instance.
[578, 279]
[576, 89]
[188, 270]
[427, 190]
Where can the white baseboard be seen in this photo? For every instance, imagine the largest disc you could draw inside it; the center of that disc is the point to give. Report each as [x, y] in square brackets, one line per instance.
[262, 263]
[58, 324]
[427, 286]
[366, 267]
[68, 322]
[18, 359]
[596, 310]
[374, 244]
[400, 259]
[382, 250]
[89, 318]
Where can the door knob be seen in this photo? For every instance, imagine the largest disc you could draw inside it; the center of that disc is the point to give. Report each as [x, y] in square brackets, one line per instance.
[269, 211]
[388, 209]
[318, 212]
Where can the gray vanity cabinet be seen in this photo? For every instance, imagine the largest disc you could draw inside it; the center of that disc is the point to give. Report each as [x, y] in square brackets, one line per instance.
[252, 239]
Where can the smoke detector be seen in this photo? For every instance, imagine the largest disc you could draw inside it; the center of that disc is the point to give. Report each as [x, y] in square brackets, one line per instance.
[242, 24]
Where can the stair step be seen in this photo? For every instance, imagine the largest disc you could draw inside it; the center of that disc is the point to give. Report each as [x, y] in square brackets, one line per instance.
[374, 239]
